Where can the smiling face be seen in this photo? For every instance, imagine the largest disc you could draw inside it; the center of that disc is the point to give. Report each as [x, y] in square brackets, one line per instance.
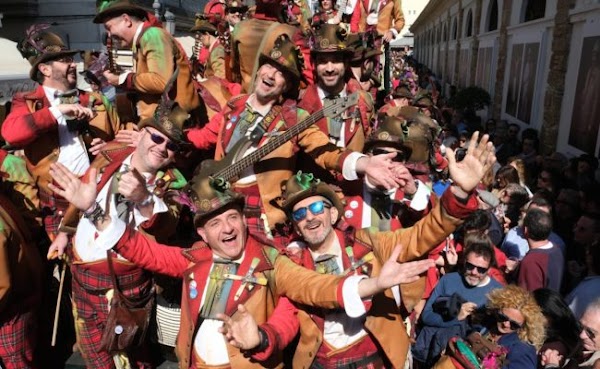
[330, 69]
[473, 264]
[60, 73]
[513, 315]
[149, 156]
[327, 4]
[316, 228]
[590, 333]
[270, 83]
[122, 29]
[225, 233]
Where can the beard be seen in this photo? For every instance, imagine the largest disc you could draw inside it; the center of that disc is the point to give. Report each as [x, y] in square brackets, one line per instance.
[316, 238]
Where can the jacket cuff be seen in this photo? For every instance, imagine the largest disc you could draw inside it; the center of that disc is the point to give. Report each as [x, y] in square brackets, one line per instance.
[348, 160]
[127, 79]
[352, 302]
[458, 208]
[266, 353]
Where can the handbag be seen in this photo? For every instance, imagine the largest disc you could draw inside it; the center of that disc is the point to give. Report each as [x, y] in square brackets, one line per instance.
[128, 319]
[476, 352]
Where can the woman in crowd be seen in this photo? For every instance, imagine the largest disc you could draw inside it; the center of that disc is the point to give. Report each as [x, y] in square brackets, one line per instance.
[562, 330]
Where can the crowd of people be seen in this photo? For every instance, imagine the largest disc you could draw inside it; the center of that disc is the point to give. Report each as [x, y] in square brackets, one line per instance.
[266, 203]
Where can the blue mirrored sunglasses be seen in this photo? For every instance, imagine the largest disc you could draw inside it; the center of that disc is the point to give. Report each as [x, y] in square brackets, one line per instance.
[317, 207]
[157, 139]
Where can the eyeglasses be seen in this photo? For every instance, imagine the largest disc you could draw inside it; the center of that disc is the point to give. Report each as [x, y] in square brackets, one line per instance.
[400, 155]
[65, 59]
[157, 139]
[501, 318]
[480, 270]
[317, 207]
[588, 331]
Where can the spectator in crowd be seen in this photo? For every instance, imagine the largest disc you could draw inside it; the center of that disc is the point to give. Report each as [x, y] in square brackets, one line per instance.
[456, 296]
[543, 265]
[589, 288]
[562, 328]
[505, 175]
[519, 165]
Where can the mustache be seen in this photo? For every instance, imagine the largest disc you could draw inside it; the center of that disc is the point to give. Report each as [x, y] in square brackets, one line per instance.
[312, 223]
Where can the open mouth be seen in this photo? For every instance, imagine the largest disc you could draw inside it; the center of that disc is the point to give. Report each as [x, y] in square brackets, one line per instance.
[312, 226]
[268, 83]
[229, 240]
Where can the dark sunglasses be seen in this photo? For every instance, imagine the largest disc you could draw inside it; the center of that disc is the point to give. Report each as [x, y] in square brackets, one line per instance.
[501, 318]
[480, 270]
[157, 139]
[400, 156]
[317, 207]
[589, 331]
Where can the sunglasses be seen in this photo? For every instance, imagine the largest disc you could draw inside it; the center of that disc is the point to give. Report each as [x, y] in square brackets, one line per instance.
[480, 270]
[317, 207]
[157, 139]
[400, 156]
[501, 318]
[588, 331]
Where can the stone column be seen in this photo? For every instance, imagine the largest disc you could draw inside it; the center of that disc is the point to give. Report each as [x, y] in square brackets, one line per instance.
[475, 43]
[502, 52]
[561, 40]
[459, 22]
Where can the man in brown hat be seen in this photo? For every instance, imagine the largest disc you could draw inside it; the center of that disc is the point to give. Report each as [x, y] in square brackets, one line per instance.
[207, 33]
[56, 122]
[371, 336]
[395, 208]
[258, 117]
[401, 96]
[157, 55]
[130, 187]
[229, 268]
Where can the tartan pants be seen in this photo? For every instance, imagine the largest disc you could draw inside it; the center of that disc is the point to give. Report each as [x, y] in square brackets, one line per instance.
[18, 336]
[92, 307]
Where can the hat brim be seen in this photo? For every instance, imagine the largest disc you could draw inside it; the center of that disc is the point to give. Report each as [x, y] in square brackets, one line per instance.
[203, 28]
[371, 144]
[46, 57]
[321, 189]
[117, 10]
[150, 122]
[296, 78]
[234, 199]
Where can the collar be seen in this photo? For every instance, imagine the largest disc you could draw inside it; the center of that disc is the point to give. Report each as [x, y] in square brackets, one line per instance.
[237, 261]
[137, 35]
[252, 102]
[323, 94]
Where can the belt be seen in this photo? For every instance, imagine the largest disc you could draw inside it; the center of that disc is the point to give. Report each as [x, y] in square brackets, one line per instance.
[359, 363]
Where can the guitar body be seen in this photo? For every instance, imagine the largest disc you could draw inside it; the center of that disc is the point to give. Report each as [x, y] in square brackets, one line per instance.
[209, 168]
[125, 107]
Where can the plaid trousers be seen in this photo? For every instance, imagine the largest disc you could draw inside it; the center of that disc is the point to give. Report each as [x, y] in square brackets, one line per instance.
[18, 336]
[92, 306]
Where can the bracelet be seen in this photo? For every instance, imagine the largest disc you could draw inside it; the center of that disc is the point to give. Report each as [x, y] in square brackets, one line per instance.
[91, 210]
[147, 201]
[264, 340]
[96, 215]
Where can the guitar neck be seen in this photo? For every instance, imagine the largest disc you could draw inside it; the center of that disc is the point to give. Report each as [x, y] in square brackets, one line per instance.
[233, 171]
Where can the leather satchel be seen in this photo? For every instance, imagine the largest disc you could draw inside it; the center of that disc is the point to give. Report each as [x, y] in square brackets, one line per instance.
[128, 319]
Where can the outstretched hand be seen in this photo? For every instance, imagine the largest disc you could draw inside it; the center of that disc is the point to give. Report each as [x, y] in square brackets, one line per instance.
[480, 157]
[394, 273]
[81, 195]
[241, 331]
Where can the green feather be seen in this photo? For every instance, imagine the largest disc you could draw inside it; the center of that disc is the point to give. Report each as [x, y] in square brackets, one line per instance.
[466, 351]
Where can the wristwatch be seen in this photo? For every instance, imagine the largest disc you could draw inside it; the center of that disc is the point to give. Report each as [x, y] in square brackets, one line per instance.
[264, 340]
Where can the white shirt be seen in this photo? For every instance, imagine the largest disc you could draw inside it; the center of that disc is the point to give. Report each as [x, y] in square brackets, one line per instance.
[72, 152]
[88, 247]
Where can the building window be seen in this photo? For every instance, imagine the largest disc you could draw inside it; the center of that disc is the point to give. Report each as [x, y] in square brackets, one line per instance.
[469, 24]
[492, 23]
[533, 9]
[454, 29]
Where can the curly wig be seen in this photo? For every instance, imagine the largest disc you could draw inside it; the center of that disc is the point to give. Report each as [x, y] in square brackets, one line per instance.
[515, 297]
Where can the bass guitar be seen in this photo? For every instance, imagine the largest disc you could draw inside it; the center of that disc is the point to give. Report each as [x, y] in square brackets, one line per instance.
[229, 168]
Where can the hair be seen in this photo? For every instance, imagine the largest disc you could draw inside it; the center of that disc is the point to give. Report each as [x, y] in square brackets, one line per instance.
[538, 224]
[542, 199]
[478, 220]
[515, 297]
[509, 174]
[561, 322]
[594, 305]
[39, 76]
[481, 245]
[519, 165]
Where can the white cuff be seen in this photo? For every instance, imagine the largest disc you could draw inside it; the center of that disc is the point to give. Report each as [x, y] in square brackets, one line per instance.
[55, 112]
[394, 32]
[421, 197]
[123, 77]
[349, 167]
[159, 207]
[109, 237]
[352, 302]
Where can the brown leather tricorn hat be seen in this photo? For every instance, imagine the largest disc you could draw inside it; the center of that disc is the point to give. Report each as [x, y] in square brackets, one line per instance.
[286, 57]
[303, 185]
